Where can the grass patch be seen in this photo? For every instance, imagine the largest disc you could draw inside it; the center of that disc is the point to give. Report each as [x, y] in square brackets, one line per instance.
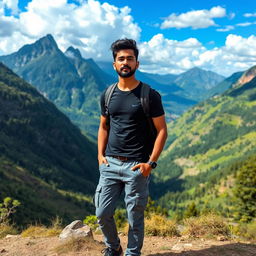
[246, 230]
[41, 231]
[6, 229]
[209, 226]
[158, 225]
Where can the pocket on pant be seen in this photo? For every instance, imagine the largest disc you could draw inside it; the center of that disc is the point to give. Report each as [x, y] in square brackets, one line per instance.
[97, 196]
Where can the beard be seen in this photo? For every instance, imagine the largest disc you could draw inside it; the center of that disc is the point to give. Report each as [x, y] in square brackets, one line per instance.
[125, 74]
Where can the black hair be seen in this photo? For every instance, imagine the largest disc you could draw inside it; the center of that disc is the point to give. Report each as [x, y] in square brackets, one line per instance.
[123, 44]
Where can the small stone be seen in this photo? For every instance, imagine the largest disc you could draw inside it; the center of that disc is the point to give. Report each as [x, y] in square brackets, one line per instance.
[222, 238]
[12, 236]
[176, 247]
[2, 251]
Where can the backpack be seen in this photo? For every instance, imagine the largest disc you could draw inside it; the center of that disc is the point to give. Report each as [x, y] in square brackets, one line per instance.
[144, 99]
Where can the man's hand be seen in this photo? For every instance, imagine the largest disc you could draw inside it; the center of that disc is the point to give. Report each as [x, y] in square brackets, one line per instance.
[144, 168]
[103, 160]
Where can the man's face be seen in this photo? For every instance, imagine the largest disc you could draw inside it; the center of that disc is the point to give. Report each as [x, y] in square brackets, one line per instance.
[125, 63]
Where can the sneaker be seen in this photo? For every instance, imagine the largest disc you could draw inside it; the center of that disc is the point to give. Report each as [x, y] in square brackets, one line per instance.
[112, 252]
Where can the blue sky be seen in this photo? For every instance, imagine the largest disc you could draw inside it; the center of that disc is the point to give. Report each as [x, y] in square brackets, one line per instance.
[173, 36]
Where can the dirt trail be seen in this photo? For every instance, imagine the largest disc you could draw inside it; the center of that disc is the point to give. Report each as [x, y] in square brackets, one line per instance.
[153, 246]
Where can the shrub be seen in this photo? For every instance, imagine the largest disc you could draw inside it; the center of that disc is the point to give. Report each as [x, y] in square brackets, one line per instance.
[120, 218]
[246, 230]
[191, 211]
[6, 229]
[42, 231]
[158, 225]
[91, 221]
[7, 208]
[209, 225]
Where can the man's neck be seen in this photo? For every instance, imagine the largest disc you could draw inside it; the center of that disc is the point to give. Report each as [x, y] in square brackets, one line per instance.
[127, 83]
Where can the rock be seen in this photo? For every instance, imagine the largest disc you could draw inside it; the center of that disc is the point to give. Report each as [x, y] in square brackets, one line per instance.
[76, 229]
[12, 236]
[2, 250]
[222, 238]
[177, 247]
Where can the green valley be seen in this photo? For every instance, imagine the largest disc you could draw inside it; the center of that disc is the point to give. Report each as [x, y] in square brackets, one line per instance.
[203, 147]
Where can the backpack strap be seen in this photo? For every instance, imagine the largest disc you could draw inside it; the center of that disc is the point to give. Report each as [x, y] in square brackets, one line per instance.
[144, 98]
[108, 95]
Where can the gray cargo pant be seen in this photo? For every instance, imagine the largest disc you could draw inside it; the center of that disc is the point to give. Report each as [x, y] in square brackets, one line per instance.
[115, 178]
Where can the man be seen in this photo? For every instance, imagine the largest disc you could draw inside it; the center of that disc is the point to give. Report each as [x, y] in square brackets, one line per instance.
[125, 160]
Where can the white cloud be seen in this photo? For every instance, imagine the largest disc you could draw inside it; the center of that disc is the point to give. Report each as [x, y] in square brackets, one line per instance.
[245, 24]
[226, 28]
[92, 27]
[161, 55]
[11, 5]
[195, 19]
[231, 15]
[8, 26]
[89, 26]
[250, 15]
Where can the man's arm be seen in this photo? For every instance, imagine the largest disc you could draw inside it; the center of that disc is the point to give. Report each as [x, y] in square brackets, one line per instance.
[103, 133]
[161, 137]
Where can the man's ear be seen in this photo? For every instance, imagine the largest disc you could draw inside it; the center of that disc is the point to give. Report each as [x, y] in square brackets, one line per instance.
[137, 65]
[114, 65]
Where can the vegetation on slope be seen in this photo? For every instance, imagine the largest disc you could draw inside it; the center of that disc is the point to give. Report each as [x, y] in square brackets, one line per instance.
[203, 147]
[41, 152]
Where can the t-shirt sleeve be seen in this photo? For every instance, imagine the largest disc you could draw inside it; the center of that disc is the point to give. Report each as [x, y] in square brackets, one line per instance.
[102, 104]
[156, 106]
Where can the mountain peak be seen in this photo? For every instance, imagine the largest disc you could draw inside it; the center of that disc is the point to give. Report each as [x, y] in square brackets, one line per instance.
[247, 76]
[47, 43]
[71, 52]
[44, 45]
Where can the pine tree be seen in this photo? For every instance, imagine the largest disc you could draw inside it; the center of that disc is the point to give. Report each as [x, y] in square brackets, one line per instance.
[245, 190]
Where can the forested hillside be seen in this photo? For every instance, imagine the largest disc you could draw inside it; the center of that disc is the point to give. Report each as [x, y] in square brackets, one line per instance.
[42, 154]
[205, 144]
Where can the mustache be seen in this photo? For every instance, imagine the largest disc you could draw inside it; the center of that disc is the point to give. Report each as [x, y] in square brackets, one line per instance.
[125, 66]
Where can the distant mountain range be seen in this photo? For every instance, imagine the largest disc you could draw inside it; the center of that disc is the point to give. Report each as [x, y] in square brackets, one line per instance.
[71, 82]
[205, 142]
[74, 83]
[45, 161]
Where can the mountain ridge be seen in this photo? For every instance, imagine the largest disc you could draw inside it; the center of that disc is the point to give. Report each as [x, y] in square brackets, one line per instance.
[202, 145]
[45, 161]
[72, 83]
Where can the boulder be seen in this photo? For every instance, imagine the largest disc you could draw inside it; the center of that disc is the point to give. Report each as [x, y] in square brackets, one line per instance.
[76, 229]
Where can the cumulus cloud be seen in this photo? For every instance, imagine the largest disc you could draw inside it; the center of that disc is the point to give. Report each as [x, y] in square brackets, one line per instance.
[169, 56]
[11, 5]
[162, 55]
[195, 19]
[89, 25]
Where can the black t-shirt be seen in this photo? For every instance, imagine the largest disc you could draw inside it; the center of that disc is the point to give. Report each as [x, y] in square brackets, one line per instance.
[128, 122]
